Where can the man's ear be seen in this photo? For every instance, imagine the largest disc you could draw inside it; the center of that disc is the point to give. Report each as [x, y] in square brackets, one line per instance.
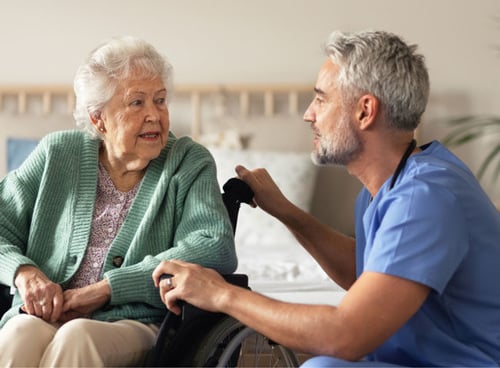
[367, 110]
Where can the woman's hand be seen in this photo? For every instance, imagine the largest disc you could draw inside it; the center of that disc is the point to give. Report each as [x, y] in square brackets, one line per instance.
[84, 301]
[202, 287]
[42, 297]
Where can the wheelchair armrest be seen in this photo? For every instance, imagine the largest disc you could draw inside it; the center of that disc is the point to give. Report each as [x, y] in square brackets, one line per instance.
[5, 299]
[238, 279]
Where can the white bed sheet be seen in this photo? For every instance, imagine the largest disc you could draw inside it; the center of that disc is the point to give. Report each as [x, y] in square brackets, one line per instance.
[331, 297]
[287, 272]
[299, 292]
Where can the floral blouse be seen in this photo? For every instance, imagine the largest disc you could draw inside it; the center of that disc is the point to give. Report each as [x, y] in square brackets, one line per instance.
[111, 208]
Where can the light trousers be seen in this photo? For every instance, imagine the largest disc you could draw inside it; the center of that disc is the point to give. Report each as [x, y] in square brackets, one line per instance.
[28, 341]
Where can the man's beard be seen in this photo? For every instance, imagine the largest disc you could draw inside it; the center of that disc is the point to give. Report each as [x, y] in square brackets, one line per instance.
[339, 147]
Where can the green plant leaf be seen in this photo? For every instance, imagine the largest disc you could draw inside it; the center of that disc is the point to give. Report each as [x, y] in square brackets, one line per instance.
[487, 161]
[471, 119]
[461, 138]
[468, 128]
[494, 178]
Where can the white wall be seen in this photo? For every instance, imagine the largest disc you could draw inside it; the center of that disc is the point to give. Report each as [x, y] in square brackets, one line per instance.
[225, 41]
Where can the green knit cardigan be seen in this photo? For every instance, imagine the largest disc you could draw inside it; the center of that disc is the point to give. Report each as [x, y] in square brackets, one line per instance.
[46, 209]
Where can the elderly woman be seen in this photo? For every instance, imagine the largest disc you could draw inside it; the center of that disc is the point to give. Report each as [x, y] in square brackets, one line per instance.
[90, 214]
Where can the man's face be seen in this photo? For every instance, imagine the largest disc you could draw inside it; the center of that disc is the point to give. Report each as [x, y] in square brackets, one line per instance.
[336, 140]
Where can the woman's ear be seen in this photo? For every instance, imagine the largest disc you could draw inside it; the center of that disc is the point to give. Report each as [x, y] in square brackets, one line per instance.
[367, 110]
[95, 118]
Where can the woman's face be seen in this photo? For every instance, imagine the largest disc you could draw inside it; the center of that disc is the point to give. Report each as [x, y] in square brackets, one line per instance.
[135, 123]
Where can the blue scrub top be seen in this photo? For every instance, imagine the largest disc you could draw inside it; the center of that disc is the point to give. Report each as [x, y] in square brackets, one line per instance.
[436, 226]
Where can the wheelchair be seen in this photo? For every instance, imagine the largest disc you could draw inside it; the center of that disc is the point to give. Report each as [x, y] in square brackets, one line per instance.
[198, 338]
[203, 339]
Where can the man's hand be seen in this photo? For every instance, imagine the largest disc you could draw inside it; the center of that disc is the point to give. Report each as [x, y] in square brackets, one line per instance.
[267, 194]
[204, 288]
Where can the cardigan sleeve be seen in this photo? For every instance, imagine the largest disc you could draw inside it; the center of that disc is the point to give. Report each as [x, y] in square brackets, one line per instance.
[37, 207]
[204, 233]
[18, 193]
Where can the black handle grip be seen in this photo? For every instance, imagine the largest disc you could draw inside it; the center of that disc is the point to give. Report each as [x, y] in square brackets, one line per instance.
[236, 191]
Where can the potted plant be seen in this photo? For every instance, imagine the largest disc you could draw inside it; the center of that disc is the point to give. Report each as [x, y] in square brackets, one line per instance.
[470, 128]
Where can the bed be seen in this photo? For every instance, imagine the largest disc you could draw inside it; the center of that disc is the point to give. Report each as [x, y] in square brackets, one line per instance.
[253, 125]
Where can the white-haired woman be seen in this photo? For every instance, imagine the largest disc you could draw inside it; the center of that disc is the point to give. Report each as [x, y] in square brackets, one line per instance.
[90, 214]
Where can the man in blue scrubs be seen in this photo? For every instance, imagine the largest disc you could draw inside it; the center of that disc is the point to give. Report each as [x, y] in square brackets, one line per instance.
[422, 271]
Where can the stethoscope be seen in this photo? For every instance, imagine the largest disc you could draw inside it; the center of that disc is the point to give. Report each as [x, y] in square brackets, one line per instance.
[402, 162]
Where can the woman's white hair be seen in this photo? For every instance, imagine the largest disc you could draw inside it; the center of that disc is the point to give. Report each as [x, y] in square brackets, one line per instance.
[97, 78]
[382, 64]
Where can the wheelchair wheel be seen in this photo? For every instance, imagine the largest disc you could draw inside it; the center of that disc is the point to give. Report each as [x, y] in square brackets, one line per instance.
[231, 344]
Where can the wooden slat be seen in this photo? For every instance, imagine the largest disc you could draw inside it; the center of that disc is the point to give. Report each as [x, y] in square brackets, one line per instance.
[70, 102]
[244, 103]
[196, 115]
[268, 103]
[293, 103]
[21, 102]
[46, 103]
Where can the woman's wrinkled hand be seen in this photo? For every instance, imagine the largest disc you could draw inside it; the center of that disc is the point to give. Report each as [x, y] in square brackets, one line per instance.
[82, 302]
[42, 297]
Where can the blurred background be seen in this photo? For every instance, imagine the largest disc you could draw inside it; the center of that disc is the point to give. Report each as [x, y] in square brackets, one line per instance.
[268, 41]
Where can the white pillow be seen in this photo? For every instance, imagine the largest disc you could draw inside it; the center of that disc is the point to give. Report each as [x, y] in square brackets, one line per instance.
[294, 173]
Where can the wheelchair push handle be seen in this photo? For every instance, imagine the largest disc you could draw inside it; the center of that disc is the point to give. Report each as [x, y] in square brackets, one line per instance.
[236, 191]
